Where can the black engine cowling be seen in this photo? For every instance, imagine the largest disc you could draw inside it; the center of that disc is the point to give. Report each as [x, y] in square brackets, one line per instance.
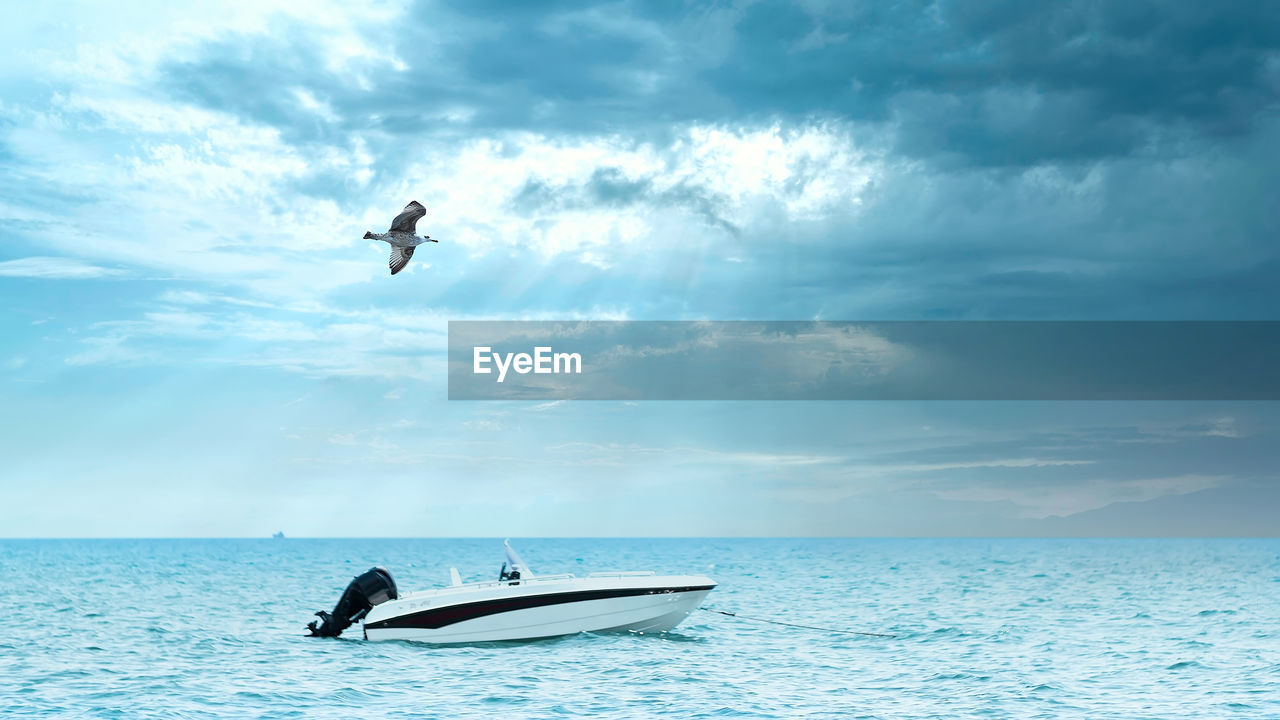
[374, 587]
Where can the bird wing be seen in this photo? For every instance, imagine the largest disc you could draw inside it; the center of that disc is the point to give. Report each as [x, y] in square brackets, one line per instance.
[399, 258]
[407, 220]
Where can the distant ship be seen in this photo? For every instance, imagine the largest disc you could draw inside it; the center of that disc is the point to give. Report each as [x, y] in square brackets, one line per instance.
[278, 535]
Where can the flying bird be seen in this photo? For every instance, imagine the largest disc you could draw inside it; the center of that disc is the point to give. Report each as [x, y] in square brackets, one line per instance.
[401, 236]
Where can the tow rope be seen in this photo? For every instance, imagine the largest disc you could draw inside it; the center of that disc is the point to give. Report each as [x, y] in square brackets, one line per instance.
[794, 625]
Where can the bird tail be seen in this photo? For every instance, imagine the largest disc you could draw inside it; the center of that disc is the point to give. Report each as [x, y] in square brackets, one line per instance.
[368, 235]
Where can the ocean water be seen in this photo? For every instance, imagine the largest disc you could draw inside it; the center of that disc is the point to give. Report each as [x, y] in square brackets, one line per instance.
[984, 628]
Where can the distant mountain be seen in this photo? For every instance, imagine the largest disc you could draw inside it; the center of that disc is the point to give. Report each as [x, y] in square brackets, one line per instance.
[1240, 509]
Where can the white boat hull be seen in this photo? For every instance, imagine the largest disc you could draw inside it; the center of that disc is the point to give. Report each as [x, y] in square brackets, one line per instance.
[539, 608]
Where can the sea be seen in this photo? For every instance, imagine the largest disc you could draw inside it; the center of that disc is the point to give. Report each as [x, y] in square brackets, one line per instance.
[1000, 628]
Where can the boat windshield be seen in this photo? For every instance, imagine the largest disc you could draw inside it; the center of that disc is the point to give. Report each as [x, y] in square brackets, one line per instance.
[515, 567]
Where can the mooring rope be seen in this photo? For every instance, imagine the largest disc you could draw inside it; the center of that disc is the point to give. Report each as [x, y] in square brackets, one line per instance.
[794, 625]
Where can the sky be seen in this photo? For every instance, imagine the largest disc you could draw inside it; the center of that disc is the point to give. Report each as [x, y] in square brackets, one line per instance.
[196, 340]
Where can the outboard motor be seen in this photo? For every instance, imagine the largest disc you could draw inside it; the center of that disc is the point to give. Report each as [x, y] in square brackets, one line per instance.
[374, 587]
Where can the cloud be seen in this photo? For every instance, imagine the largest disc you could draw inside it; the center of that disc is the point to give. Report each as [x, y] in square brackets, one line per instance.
[788, 161]
[54, 268]
[978, 81]
[919, 160]
[106, 351]
[313, 343]
[1222, 427]
[1060, 500]
[622, 455]
[991, 84]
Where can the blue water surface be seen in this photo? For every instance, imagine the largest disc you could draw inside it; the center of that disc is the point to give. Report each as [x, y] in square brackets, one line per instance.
[984, 628]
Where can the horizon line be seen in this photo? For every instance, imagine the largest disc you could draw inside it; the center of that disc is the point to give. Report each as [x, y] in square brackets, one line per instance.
[646, 537]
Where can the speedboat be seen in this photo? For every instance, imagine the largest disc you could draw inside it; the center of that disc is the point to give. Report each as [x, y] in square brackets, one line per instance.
[517, 606]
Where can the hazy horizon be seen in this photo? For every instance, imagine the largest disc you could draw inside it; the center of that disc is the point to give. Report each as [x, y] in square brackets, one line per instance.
[665, 537]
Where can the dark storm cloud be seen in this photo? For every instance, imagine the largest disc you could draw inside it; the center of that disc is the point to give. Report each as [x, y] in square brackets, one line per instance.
[1150, 121]
[611, 188]
[987, 83]
[544, 69]
[1013, 83]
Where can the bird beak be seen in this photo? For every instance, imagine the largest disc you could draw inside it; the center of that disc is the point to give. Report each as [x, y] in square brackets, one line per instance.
[433, 240]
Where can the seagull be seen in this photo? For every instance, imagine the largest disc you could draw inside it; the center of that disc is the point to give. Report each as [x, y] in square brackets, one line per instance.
[401, 236]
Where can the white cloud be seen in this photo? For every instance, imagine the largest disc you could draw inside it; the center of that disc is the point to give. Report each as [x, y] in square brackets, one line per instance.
[1025, 462]
[629, 455]
[308, 338]
[369, 344]
[1222, 427]
[210, 195]
[1038, 500]
[852, 477]
[105, 351]
[54, 268]
[746, 173]
[205, 195]
[543, 407]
